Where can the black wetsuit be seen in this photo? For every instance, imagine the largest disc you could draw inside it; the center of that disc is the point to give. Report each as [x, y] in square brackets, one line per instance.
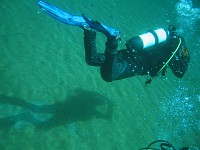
[125, 63]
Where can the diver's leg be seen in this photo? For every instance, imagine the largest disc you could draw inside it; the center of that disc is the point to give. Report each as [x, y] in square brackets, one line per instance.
[115, 67]
[111, 64]
[91, 56]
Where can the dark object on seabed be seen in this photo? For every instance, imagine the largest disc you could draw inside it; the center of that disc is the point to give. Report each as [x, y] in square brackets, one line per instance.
[164, 145]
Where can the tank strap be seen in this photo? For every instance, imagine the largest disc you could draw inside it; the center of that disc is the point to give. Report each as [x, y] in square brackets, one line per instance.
[155, 36]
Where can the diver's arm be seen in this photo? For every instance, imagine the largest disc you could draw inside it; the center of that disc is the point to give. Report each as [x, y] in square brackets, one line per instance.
[180, 66]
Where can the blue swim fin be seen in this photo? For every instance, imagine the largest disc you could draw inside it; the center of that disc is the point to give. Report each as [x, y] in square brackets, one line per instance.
[81, 21]
[62, 15]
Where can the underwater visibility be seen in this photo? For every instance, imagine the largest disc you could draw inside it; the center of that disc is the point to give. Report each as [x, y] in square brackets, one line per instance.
[55, 94]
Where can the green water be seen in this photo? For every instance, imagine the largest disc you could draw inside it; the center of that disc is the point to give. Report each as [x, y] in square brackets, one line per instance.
[51, 99]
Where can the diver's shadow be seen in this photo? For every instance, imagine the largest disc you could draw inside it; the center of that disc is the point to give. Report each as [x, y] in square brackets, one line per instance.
[82, 106]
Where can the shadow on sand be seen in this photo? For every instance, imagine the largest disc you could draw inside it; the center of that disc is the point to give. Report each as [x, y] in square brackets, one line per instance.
[82, 106]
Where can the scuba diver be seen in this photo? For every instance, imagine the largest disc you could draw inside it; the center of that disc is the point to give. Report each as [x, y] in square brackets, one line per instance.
[150, 53]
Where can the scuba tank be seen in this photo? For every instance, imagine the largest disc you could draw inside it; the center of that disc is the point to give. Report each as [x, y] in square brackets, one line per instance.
[150, 39]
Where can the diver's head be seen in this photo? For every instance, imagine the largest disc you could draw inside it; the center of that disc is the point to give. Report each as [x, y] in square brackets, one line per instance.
[172, 30]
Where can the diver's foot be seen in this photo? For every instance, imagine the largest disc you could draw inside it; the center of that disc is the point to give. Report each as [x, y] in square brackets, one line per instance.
[95, 25]
[87, 27]
[114, 33]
